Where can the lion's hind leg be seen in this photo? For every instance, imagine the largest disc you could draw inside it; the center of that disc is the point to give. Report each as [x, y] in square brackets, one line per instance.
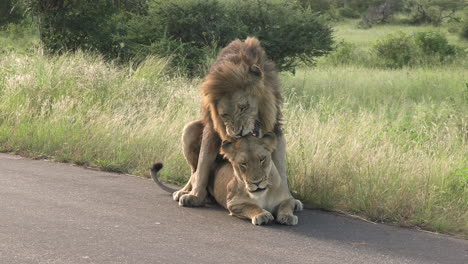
[298, 206]
[191, 143]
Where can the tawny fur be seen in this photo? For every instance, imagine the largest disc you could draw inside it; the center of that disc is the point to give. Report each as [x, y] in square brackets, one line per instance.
[256, 191]
[242, 67]
[232, 71]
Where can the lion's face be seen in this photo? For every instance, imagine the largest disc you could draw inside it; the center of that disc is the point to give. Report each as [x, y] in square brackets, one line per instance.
[251, 160]
[239, 113]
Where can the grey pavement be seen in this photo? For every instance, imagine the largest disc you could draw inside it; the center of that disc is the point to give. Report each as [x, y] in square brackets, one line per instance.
[60, 213]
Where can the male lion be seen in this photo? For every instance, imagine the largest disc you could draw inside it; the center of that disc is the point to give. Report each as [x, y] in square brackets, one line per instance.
[249, 185]
[241, 95]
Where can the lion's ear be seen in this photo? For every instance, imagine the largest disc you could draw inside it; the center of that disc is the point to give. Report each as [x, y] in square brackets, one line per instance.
[269, 141]
[227, 147]
[254, 51]
[255, 70]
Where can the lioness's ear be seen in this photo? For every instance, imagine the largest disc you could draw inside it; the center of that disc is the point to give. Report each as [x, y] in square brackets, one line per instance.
[227, 147]
[269, 141]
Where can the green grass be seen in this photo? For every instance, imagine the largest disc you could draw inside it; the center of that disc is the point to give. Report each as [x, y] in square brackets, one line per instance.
[364, 38]
[388, 145]
[356, 46]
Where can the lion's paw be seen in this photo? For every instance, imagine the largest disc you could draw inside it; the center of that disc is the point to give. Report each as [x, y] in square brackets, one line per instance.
[263, 218]
[190, 200]
[287, 219]
[298, 206]
[176, 195]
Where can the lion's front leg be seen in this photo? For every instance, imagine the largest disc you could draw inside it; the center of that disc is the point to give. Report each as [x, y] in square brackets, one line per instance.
[285, 214]
[258, 215]
[209, 149]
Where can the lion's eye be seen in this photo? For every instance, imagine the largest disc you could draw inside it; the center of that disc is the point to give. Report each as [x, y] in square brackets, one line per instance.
[242, 108]
[262, 160]
[224, 116]
[243, 165]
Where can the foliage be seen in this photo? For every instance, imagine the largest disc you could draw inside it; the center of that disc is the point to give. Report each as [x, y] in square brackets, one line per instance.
[432, 43]
[69, 25]
[433, 11]
[349, 12]
[185, 30]
[189, 30]
[397, 50]
[316, 5]
[464, 26]
[345, 53]
[11, 11]
[381, 12]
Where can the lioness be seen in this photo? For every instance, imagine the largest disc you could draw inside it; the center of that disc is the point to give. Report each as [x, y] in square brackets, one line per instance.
[246, 80]
[248, 184]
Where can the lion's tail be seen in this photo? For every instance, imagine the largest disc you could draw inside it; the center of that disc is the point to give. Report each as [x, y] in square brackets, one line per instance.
[154, 175]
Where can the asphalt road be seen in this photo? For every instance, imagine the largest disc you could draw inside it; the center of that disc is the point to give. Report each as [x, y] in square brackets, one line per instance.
[60, 213]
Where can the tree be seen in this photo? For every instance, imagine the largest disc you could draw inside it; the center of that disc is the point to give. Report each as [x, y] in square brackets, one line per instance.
[433, 11]
[11, 11]
[381, 12]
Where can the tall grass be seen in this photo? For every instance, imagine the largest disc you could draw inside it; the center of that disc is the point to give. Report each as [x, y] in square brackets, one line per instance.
[390, 145]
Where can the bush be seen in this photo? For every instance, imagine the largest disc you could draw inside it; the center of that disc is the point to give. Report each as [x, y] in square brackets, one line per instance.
[345, 53]
[408, 50]
[432, 43]
[464, 26]
[349, 13]
[189, 30]
[316, 5]
[11, 11]
[434, 12]
[186, 30]
[74, 24]
[397, 50]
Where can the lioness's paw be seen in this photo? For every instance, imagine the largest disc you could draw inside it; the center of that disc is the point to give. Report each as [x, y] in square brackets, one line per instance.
[298, 206]
[287, 219]
[263, 218]
[176, 195]
[191, 200]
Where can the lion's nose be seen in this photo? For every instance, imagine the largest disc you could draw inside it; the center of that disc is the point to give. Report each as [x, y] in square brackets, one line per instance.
[257, 182]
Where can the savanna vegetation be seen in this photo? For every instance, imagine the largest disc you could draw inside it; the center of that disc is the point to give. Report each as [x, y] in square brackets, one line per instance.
[375, 94]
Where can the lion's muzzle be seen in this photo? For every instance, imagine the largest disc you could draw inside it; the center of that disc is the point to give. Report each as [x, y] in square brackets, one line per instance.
[257, 187]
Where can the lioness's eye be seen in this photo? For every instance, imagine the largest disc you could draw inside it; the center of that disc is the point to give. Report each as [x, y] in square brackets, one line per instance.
[243, 165]
[262, 160]
[224, 116]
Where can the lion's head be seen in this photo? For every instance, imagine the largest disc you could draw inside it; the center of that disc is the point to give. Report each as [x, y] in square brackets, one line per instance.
[238, 112]
[242, 75]
[251, 160]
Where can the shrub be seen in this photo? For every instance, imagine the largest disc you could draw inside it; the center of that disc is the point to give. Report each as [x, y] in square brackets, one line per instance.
[11, 11]
[397, 50]
[464, 26]
[432, 43]
[408, 50]
[69, 25]
[349, 13]
[186, 30]
[345, 53]
[434, 12]
[288, 33]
